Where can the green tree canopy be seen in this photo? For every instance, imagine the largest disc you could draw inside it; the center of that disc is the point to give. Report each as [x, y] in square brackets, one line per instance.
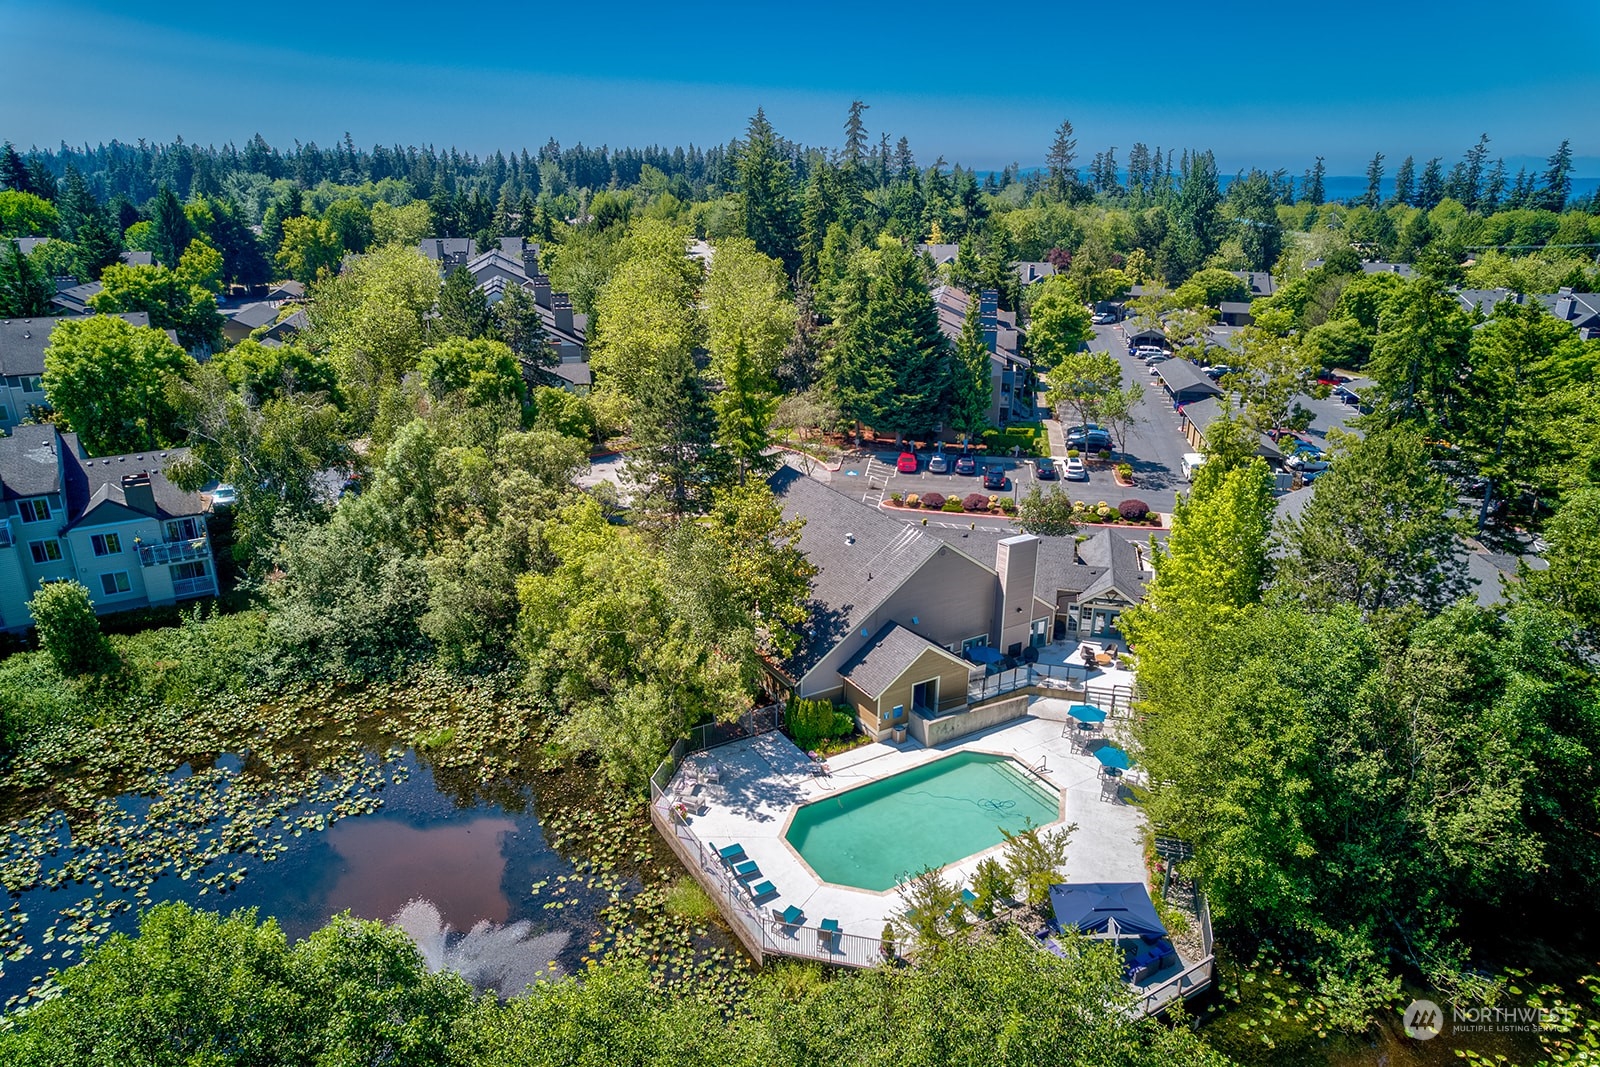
[1058, 323]
[113, 383]
[1378, 533]
[69, 630]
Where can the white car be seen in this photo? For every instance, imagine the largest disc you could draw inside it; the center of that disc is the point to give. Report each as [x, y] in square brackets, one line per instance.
[224, 496]
[1073, 470]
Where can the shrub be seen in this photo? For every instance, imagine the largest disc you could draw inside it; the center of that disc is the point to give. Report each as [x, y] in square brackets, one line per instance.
[1105, 511]
[894, 497]
[1073, 453]
[933, 501]
[810, 721]
[1008, 506]
[69, 630]
[1133, 510]
[977, 502]
[1125, 470]
[1104, 455]
[912, 500]
[951, 504]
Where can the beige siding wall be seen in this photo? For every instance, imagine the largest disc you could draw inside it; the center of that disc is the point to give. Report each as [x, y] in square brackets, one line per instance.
[952, 598]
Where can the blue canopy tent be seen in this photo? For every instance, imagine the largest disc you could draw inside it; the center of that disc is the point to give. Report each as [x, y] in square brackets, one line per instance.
[1106, 910]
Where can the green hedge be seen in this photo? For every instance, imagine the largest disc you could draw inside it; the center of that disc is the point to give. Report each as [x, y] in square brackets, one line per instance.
[1030, 437]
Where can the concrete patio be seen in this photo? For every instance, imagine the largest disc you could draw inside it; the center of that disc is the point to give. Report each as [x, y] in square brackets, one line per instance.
[763, 779]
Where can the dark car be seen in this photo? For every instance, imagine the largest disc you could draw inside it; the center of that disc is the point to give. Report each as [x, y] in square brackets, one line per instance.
[994, 477]
[1045, 470]
[1077, 435]
[965, 464]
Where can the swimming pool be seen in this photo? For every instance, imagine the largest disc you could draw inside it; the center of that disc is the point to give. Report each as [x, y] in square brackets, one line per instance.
[874, 836]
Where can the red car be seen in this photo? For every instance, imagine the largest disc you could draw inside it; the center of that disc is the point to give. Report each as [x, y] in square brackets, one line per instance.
[907, 463]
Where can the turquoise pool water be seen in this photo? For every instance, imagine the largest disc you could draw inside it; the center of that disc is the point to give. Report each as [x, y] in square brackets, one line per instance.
[875, 836]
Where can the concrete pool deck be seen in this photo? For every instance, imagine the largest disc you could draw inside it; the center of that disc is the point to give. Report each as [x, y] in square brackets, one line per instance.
[764, 779]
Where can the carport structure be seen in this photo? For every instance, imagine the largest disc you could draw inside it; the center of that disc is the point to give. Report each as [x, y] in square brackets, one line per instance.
[1184, 383]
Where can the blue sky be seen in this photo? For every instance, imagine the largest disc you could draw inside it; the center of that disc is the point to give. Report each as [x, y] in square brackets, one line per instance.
[980, 84]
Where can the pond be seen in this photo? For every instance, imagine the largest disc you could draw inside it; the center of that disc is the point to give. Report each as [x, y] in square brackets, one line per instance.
[477, 882]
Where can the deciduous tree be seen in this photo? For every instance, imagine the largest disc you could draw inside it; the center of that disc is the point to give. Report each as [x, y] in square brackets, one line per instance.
[112, 383]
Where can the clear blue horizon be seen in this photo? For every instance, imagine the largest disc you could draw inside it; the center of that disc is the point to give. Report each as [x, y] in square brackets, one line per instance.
[966, 85]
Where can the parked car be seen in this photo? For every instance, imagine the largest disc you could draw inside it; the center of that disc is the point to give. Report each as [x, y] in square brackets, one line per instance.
[994, 477]
[938, 463]
[1308, 462]
[1045, 470]
[1217, 370]
[966, 464]
[907, 463]
[1075, 470]
[1077, 435]
[1154, 365]
[1146, 351]
[224, 496]
[1103, 318]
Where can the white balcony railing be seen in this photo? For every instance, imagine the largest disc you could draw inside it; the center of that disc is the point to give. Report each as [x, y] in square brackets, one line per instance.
[169, 552]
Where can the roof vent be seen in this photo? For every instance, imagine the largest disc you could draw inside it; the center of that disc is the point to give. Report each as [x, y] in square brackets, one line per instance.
[849, 538]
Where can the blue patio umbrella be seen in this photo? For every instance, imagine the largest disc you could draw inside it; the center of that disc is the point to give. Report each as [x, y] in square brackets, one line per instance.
[1112, 756]
[984, 654]
[1086, 713]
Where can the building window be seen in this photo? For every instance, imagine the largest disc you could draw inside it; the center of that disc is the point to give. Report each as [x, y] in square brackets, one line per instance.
[30, 384]
[45, 551]
[182, 530]
[981, 641]
[5, 413]
[106, 544]
[114, 583]
[185, 571]
[35, 510]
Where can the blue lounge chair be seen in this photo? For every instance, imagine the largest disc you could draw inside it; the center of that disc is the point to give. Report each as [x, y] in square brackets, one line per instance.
[732, 853]
[747, 869]
[828, 934]
[790, 918]
[969, 898]
[763, 890]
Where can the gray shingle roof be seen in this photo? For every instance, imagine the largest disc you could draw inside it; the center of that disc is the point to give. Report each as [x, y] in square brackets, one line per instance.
[1205, 412]
[1060, 571]
[862, 556]
[92, 482]
[882, 660]
[251, 316]
[1185, 382]
[30, 461]
[23, 341]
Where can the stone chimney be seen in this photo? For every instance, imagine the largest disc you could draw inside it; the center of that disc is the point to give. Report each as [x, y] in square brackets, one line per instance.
[541, 289]
[561, 304]
[989, 317]
[137, 492]
[1016, 563]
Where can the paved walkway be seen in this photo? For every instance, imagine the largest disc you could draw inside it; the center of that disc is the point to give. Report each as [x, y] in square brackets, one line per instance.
[1058, 438]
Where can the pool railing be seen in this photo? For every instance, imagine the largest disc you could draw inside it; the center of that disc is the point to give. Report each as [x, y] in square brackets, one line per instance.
[761, 934]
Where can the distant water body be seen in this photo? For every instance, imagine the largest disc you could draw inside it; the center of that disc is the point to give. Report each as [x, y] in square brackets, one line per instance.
[1352, 186]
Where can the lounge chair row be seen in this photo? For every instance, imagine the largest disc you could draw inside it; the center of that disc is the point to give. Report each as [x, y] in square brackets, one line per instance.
[790, 919]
